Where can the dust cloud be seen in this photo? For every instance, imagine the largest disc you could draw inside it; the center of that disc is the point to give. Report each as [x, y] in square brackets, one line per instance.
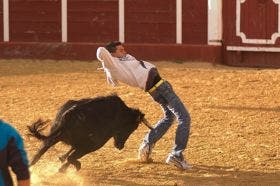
[45, 175]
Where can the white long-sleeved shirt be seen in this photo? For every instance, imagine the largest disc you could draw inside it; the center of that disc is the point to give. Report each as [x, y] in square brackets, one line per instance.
[126, 69]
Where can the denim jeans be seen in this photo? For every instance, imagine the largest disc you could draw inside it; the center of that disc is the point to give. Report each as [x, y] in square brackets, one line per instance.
[171, 106]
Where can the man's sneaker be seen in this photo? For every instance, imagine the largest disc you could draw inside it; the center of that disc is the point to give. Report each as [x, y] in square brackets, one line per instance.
[178, 162]
[145, 151]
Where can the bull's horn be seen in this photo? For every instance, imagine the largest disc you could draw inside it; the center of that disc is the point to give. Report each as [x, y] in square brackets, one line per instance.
[147, 124]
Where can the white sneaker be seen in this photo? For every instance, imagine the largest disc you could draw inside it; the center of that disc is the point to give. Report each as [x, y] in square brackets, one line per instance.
[178, 162]
[144, 153]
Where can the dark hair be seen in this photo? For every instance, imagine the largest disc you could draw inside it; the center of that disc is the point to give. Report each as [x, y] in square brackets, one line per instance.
[112, 46]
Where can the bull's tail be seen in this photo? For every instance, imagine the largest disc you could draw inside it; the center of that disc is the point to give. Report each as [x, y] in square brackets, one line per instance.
[50, 140]
[36, 128]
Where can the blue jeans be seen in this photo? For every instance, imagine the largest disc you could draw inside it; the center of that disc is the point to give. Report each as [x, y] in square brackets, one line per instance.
[171, 106]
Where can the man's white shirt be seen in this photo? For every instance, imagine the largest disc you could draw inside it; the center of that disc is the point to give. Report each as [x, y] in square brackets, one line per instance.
[126, 69]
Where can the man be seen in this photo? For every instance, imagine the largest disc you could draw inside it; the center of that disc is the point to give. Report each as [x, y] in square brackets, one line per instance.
[120, 66]
[12, 154]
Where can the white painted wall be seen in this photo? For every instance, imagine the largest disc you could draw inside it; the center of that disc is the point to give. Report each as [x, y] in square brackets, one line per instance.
[178, 21]
[121, 21]
[215, 23]
[6, 31]
[64, 29]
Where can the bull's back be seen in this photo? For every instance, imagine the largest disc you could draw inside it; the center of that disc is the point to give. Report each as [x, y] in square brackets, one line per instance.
[63, 109]
[101, 115]
[94, 120]
[102, 112]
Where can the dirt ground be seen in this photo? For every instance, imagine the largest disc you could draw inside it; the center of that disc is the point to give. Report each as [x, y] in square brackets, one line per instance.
[234, 136]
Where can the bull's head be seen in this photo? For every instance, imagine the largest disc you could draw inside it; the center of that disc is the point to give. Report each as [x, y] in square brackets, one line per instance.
[128, 128]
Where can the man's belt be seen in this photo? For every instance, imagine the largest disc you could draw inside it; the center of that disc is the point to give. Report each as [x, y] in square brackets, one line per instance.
[156, 86]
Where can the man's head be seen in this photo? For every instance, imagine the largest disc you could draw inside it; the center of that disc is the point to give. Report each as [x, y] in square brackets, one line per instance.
[116, 49]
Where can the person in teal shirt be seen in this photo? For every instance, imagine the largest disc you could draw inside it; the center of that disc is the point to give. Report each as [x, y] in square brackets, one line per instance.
[12, 154]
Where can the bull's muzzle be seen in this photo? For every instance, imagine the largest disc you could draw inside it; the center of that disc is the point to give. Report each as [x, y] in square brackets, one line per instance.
[147, 124]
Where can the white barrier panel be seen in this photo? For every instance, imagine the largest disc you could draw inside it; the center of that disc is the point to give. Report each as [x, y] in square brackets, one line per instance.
[215, 22]
[6, 32]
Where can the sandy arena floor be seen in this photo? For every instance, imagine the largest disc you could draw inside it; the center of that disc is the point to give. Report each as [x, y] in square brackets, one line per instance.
[235, 132]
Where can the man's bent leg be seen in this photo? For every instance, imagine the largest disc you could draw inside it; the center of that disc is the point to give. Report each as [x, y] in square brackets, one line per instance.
[161, 127]
[154, 135]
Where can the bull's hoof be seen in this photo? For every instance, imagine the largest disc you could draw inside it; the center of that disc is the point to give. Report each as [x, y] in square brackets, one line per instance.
[62, 169]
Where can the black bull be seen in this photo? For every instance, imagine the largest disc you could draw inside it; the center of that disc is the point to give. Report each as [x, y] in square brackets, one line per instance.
[86, 125]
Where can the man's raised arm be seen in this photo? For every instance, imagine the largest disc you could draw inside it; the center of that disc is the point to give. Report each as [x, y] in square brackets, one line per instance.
[107, 64]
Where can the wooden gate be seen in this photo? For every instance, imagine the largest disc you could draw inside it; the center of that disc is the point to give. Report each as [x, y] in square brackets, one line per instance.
[251, 32]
